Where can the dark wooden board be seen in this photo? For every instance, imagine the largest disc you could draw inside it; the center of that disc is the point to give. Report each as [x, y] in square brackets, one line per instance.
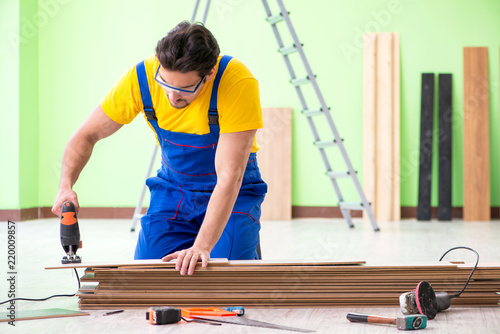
[445, 141]
[426, 137]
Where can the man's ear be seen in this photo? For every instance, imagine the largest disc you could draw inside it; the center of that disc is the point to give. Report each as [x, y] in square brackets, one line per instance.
[211, 74]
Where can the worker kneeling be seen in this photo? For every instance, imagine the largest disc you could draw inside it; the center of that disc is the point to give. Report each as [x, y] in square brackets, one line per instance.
[205, 111]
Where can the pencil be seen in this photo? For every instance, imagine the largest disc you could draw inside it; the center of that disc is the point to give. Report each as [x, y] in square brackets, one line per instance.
[113, 312]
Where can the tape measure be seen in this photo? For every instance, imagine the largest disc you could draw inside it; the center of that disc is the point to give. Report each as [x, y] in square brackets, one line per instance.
[161, 315]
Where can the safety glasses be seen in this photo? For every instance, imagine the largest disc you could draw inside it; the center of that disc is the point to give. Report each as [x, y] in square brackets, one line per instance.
[180, 91]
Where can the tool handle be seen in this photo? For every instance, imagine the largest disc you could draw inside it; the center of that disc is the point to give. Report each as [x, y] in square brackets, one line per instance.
[69, 229]
[239, 310]
[375, 319]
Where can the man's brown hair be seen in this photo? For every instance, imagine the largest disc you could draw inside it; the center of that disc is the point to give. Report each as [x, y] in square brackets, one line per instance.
[188, 47]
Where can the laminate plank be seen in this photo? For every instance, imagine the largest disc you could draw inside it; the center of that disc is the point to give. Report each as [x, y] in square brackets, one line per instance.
[149, 264]
[369, 112]
[42, 314]
[476, 147]
[383, 128]
[285, 286]
[381, 124]
[396, 132]
[275, 162]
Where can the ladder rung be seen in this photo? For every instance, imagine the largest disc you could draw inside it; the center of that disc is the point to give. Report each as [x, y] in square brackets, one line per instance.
[300, 81]
[325, 143]
[351, 205]
[275, 18]
[288, 49]
[313, 112]
[338, 175]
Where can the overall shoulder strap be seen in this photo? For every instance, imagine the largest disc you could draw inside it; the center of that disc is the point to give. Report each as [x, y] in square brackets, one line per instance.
[145, 94]
[213, 116]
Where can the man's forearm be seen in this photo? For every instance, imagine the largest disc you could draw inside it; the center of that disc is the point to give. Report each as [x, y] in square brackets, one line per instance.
[78, 151]
[218, 212]
[76, 155]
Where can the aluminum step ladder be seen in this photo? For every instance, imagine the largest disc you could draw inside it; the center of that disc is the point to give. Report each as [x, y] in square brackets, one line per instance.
[322, 145]
[321, 114]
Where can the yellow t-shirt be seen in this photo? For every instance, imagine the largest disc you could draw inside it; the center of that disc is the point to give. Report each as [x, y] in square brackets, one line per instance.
[238, 102]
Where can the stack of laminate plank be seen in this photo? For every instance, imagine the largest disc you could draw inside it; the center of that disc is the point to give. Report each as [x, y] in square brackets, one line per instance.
[273, 284]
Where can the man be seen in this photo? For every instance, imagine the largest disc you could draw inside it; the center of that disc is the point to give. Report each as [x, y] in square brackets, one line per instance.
[205, 199]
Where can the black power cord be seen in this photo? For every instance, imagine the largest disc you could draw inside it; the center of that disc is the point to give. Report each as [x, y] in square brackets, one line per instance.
[473, 269]
[42, 299]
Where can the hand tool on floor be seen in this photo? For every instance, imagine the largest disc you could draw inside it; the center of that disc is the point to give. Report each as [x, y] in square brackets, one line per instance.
[405, 323]
[70, 233]
[161, 315]
[206, 322]
[239, 310]
[250, 322]
[113, 312]
[208, 311]
[219, 315]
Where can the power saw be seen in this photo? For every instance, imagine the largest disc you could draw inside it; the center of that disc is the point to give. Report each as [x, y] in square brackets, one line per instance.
[70, 233]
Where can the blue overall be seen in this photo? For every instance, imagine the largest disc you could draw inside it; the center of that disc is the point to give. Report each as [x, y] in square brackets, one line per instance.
[182, 188]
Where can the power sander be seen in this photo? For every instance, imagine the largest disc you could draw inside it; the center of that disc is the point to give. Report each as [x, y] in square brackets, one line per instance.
[423, 300]
[70, 233]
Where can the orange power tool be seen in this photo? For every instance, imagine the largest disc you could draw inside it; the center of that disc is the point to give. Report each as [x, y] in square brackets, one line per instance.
[70, 233]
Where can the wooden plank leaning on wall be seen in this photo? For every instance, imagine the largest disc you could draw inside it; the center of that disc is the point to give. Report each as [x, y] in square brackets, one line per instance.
[381, 124]
[275, 162]
[476, 145]
[426, 146]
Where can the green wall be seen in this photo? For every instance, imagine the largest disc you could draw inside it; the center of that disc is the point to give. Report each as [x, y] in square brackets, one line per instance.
[28, 105]
[9, 99]
[84, 46]
[19, 135]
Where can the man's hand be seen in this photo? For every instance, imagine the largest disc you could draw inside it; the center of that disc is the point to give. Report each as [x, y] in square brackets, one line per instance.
[187, 259]
[63, 196]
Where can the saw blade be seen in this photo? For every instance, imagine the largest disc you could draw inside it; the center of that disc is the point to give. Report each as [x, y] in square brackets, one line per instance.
[250, 322]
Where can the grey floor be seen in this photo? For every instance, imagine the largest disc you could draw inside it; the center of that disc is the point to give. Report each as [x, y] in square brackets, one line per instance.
[408, 241]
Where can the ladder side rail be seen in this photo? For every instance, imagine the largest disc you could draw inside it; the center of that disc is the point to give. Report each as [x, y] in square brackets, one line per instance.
[205, 14]
[354, 176]
[316, 134]
[266, 8]
[195, 10]
[300, 50]
[347, 216]
[138, 208]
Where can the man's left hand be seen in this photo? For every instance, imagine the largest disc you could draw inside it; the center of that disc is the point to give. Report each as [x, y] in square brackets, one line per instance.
[187, 259]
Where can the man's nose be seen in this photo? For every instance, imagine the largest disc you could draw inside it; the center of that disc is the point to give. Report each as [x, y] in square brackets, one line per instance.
[174, 95]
